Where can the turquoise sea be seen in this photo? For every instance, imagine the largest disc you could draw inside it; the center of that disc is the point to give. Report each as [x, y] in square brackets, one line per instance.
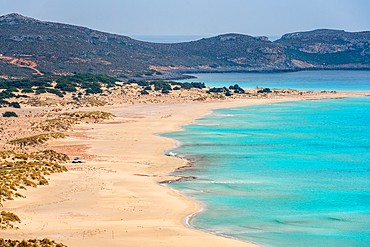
[282, 174]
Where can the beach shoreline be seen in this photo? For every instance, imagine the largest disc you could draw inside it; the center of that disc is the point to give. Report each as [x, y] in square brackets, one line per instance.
[114, 198]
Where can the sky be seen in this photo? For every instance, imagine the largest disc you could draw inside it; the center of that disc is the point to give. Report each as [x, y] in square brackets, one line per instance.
[197, 18]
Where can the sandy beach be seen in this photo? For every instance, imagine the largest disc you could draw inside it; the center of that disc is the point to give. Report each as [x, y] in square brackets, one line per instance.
[114, 199]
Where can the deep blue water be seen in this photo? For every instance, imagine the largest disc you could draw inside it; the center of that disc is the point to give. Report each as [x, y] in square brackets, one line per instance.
[342, 80]
[283, 174]
[168, 38]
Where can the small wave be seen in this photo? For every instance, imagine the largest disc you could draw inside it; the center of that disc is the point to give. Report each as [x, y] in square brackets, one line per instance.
[222, 115]
[230, 182]
[337, 219]
[233, 231]
[207, 124]
[175, 155]
[244, 232]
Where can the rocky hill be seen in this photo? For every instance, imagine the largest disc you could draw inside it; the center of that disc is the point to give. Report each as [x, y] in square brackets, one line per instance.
[326, 48]
[31, 47]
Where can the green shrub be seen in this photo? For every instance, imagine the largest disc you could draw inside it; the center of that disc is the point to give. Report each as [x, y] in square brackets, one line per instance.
[142, 83]
[27, 90]
[40, 90]
[10, 114]
[15, 105]
[54, 91]
[12, 89]
[265, 90]
[165, 91]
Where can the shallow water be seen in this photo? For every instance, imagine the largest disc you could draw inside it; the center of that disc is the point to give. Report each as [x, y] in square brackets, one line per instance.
[284, 174]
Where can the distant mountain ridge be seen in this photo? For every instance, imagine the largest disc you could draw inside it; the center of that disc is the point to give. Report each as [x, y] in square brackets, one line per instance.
[61, 49]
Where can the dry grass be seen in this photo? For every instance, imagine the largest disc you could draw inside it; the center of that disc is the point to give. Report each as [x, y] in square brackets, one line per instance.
[55, 124]
[96, 116]
[67, 120]
[93, 102]
[36, 140]
[19, 170]
[20, 174]
[30, 243]
[45, 155]
[6, 220]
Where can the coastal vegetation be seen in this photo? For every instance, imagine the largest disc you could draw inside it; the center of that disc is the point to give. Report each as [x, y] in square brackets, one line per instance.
[30, 243]
[165, 85]
[84, 84]
[264, 90]
[84, 90]
[67, 120]
[21, 170]
[10, 114]
[91, 83]
[36, 140]
[26, 135]
[237, 88]
[89, 90]
[46, 155]
[7, 219]
[95, 116]
[16, 175]
[55, 124]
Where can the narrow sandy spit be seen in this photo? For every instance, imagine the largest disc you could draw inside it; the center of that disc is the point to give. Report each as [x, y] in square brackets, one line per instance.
[113, 199]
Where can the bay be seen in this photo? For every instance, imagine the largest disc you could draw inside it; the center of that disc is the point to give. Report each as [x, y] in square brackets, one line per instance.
[283, 174]
[339, 80]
